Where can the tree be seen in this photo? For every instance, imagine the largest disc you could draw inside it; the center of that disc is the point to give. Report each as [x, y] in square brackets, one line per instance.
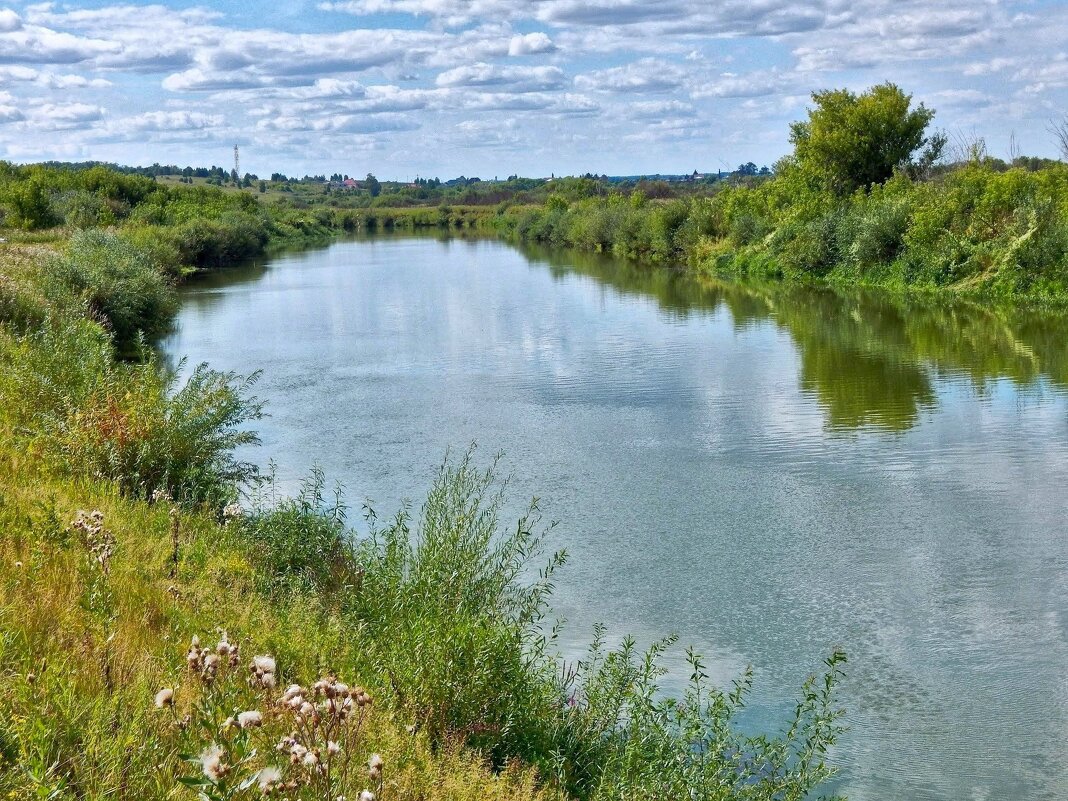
[851, 141]
[374, 188]
[1059, 129]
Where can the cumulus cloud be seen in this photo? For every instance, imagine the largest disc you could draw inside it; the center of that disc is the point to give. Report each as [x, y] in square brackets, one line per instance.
[417, 79]
[170, 121]
[9, 20]
[530, 44]
[517, 79]
[646, 75]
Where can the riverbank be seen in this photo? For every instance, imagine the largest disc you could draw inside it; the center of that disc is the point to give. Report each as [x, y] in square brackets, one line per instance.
[975, 230]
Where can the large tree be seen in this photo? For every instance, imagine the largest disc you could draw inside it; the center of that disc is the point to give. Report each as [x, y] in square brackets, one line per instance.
[851, 141]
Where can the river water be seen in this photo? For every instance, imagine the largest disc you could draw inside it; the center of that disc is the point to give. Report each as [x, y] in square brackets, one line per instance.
[768, 471]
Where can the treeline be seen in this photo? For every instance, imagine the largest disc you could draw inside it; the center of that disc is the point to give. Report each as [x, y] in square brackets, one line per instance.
[866, 197]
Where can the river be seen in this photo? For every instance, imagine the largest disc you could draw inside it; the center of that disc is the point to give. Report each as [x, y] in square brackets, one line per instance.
[768, 471]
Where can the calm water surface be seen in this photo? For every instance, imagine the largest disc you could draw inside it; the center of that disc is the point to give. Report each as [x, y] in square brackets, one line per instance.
[767, 471]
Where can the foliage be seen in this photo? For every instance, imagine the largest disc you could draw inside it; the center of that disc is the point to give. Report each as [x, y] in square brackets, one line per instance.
[852, 141]
[121, 284]
[62, 391]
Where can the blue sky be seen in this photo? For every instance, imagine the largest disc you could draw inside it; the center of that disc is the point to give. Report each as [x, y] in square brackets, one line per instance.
[492, 87]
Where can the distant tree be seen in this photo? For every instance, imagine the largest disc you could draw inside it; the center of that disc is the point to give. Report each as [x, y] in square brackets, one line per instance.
[749, 168]
[851, 141]
[1059, 129]
[29, 206]
[374, 188]
[263, 187]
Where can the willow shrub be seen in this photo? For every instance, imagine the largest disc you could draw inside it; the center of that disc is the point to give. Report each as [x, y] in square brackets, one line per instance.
[63, 393]
[121, 283]
[452, 612]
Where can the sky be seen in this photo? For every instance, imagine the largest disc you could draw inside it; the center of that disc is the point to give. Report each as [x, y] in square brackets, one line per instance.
[408, 88]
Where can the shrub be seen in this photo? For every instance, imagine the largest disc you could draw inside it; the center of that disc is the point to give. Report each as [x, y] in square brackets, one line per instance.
[451, 621]
[62, 390]
[122, 284]
[299, 543]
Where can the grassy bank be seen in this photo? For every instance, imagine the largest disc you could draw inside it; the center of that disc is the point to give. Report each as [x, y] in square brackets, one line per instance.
[975, 229]
[979, 226]
[171, 627]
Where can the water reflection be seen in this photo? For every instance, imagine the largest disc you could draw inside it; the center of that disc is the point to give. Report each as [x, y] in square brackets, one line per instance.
[870, 358]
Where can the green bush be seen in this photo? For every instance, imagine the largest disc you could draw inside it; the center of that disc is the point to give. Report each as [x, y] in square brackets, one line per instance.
[87, 414]
[452, 622]
[299, 544]
[122, 285]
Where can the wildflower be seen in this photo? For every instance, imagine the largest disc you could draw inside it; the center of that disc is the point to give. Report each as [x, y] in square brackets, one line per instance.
[311, 759]
[297, 752]
[263, 668]
[211, 761]
[268, 778]
[164, 697]
[250, 719]
[333, 748]
[367, 795]
[18, 565]
[374, 767]
[265, 664]
[211, 667]
[224, 647]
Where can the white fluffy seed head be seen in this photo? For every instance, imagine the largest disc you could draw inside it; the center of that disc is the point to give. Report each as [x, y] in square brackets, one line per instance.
[367, 795]
[164, 698]
[211, 762]
[264, 663]
[250, 719]
[268, 777]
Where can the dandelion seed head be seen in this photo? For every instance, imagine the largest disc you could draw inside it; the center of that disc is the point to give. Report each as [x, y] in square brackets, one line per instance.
[367, 795]
[250, 719]
[333, 748]
[164, 698]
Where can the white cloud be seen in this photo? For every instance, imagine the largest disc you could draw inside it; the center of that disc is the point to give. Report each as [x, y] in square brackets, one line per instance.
[169, 121]
[517, 79]
[530, 44]
[9, 20]
[646, 75]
